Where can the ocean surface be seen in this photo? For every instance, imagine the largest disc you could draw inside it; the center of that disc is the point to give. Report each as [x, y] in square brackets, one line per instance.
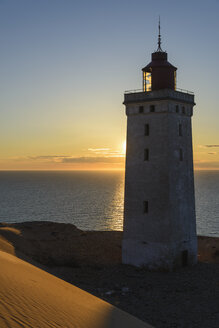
[89, 199]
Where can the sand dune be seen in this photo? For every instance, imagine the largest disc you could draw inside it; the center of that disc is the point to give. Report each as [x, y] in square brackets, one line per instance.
[30, 297]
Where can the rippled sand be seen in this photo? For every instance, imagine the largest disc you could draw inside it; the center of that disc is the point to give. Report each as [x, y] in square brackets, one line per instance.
[31, 297]
[92, 261]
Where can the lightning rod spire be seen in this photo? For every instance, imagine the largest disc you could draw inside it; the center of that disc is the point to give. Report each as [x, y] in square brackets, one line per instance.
[159, 38]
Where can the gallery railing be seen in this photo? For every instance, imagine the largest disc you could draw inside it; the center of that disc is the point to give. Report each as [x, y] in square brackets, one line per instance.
[141, 90]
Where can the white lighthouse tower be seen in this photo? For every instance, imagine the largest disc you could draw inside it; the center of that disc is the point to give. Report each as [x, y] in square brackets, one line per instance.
[159, 214]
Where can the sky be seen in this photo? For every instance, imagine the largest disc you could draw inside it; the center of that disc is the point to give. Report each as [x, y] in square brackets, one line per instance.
[64, 67]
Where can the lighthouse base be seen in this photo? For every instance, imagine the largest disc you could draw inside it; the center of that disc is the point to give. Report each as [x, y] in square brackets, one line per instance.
[158, 256]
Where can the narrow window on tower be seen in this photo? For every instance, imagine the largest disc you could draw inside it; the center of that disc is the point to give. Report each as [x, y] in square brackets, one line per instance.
[145, 204]
[181, 154]
[146, 154]
[177, 109]
[146, 129]
[180, 130]
[152, 108]
[185, 258]
[141, 109]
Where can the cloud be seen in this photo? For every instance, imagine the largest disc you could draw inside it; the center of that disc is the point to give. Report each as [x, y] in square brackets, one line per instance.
[103, 155]
[46, 157]
[94, 155]
[208, 146]
[106, 152]
[93, 160]
[98, 149]
[200, 164]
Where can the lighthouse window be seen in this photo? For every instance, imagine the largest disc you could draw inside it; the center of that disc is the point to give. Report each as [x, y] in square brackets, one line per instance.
[146, 154]
[141, 109]
[146, 129]
[177, 109]
[145, 206]
[152, 108]
[184, 258]
[181, 154]
[180, 130]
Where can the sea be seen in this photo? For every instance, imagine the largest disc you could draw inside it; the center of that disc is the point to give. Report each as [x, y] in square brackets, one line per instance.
[91, 200]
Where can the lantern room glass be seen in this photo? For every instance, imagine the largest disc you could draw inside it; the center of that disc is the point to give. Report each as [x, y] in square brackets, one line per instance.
[146, 81]
[174, 80]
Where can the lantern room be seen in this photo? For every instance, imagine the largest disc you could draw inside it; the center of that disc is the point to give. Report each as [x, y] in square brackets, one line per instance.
[159, 73]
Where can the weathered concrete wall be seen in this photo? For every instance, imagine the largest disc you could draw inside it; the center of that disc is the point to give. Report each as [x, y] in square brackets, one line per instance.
[157, 239]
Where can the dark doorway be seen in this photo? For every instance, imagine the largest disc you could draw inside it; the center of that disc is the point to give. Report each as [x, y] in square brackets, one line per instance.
[184, 258]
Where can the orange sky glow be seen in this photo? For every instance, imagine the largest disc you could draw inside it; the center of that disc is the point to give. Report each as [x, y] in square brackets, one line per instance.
[65, 68]
[205, 158]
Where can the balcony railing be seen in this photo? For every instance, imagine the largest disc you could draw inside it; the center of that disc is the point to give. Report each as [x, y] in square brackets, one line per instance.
[141, 90]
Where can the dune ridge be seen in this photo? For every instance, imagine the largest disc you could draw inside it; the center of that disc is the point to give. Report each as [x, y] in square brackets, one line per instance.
[31, 298]
[91, 260]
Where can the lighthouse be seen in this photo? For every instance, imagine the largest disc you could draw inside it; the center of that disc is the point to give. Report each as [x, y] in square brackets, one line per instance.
[159, 207]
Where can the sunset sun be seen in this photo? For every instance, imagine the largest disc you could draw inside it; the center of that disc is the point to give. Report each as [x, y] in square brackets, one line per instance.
[124, 147]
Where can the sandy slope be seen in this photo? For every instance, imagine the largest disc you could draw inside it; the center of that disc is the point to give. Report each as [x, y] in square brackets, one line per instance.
[30, 297]
[92, 261]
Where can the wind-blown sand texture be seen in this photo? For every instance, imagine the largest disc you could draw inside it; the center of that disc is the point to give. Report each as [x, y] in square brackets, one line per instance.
[31, 298]
[91, 260]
